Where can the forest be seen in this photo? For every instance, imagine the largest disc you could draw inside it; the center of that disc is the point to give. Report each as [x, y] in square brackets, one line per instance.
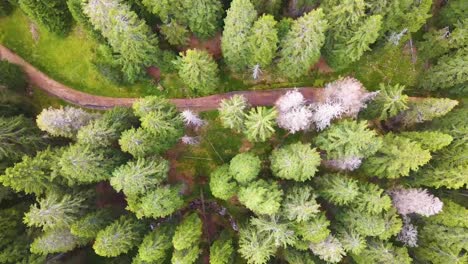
[233, 131]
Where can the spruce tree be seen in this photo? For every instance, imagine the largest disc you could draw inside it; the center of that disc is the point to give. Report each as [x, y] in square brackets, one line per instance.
[259, 124]
[139, 143]
[222, 184]
[428, 140]
[222, 250]
[160, 202]
[12, 76]
[237, 24]
[299, 204]
[203, 17]
[76, 9]
[300, 48]
[188, 232]
[119, 237]
[382, 252]
[198, 71]
[231, 112]
[423, 110]
[64, 121]
[52, 15]
[130, 38]
[156, 244]
[337, 188]
[296, 162]
[56, 241]
[89, 225]
[261, 197]
[175, 33]
[245, 167]
[255, 246]
[314, 230]
[389, 102]
[263, 41]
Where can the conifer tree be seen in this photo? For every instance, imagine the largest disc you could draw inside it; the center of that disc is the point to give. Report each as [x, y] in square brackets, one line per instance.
[337, 188]
[428, 140]
[389, 102]
[330, 250]
[203, 17]
[188, 232]
[149, 104]
[11, 75]
[139, 143]
[119, 237]
[259, 124]
[261, 197]
[186, 256]
[300, 48]
[127, 34]
[452, 215]
[198, 71]
[52, 15]
[175, 33]
[222, 184]
[425, 110]
[396, 158]
[268, 6]
[160, 202]
[299, 204]
[371, 199]
[296, 162]
[97, 134]
[156, 244]
[382, 252]
[76, 9]
[222, 250]
[348, 139]
[55, 211]
[237, 24]
[315, 230]
[281, 233]
[245, 167]
[263, 42]
[56, 241]
[231, 112]
[64, 121]
[88, 226]
[255, 246]
[137, 177]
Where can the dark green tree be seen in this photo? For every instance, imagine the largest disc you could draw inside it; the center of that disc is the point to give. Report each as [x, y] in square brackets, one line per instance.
[203, 17]
[89, 225]
[12, 76]
[51, 14]
[76, 9]
[389, 102]
[175, 34]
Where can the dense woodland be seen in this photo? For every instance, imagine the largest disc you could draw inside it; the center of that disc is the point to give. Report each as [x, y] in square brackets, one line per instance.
[372, 170]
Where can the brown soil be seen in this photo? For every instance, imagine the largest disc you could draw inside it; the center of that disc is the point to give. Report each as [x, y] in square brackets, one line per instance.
[212, 45]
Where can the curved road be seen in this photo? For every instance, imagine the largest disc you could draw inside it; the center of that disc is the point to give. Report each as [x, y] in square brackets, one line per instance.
[52, 87]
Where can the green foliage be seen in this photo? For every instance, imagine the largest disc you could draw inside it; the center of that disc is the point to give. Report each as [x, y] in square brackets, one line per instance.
[452, 12]
[76, 9]
[5, 8]
[88, 226]
[261, 197]
[351, 240]
[425, 109]
[396, 158]
[82, 164]
[382, 252]
[166, 127]
[186, 256]
[12, 76]
[337, 188]
[160, 202]
[55, 211]
[255, 246]
[18, 137]
[165, 9]
[442, 41]
[119, 237]
[363, 223]
[245, 167]
[129, 36]
[329, 250]
[231, 112]
[263, 41]
[452, 215]
[32, 174]
[300, 48]
[393, 224]
[259, 123]
[63, 121]
[237, 24]
[268, 6]
[448, 73]
[299, 204]
[198, 71]
[222, 184]
[315, 229]
[51, 14]
[97, 133]
[156, 245]
[293, 256]
[429, 140]
[283, 27]
[222, 250]
[371, 199]
[139, 142]
[137, 177]
[203, 16]
[56, 241]
[296, 161]
[188, 232]
[175, 33]
[389, 102]
[348, 139]
[280, 233]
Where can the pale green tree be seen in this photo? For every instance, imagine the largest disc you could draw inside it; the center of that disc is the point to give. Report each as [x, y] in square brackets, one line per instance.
[259, 124]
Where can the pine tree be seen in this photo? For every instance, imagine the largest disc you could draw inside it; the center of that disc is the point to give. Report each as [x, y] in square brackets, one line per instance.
[222, 184]
[160, 202]
[55, 211]
[156, 244]
[261, 197]
[396, 158]
[231, 112]
[52, 15]
[88, 226]
[222, 250]
[300, 48]
[188, 232]
[299, 204]
[259, 124]
[263, 41]
[296, 162]
[137, 177]
[448, 73]
[127, 34]
[237, 24]
[337, 188]
[64, 121]
[175, 34]
[56, 241]
[245, 167]
[119, 237]
[348, 139]
[198, 71]
[428, 140]
[81, 164]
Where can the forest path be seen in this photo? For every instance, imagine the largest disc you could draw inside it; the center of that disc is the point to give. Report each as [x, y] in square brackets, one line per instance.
[68, 94]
